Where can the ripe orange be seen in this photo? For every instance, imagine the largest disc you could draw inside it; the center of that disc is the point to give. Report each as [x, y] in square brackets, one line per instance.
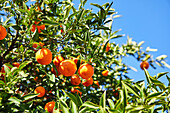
[96, 83]
[67, 68]
[144, 64]
[105, 72]
[3, 32]
[57, 60]
[86, 71]
[75, 80]
[49, 106]
[39, 27]
[74, 90]
[43, 56]
[16, 64]
[88, 82]
[40, 90]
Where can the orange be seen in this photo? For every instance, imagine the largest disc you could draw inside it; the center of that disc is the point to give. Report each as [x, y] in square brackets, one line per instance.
[49, 106]
[67, 68]
[107, 47]
[96, 84]
[88, 82]
[3, 32]
[43, 56]
[144, 64]
[105, 72]
[16, 64]
[2, 70]
[39, 27]
[62, 31]
[75, 80]
[74, 90]
[86, 71]
[57, 60]
[35, 45]
[40, 90]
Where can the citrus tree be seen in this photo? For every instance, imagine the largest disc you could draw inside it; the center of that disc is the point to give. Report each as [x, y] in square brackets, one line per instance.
[55, 57]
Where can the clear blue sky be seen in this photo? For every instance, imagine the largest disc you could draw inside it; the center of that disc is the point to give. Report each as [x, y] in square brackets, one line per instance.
[146, 20]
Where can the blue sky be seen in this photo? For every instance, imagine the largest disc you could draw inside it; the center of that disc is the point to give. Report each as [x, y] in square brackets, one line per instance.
[146, 20]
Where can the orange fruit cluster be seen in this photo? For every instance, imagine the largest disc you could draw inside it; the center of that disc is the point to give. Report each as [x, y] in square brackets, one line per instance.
[3, 32]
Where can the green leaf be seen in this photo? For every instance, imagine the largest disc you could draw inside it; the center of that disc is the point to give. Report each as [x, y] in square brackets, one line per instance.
[90, 105]
[111, 103]
[161, 74]
[73, 98]
[86, 109]
[154, 95]
[16, 27]
[7, 70]
[24, 64]
[79, 100]
[140, 43]
[148, 49]
[161, 57]
[14, 100]
[139, 107]
[48, 22]
[103, 100]
[29, 96]
[73, 107]
[80, 15]
[114, 111]
[7, 20]
[147, 76]
[2, 82]
[131, 89]
[63, 103]
[66, 14]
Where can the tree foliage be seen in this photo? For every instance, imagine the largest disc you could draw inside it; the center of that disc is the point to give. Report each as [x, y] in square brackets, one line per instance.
[73, 32]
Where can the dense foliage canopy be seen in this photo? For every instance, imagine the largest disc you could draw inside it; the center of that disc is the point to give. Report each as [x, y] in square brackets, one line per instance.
[55, 57]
